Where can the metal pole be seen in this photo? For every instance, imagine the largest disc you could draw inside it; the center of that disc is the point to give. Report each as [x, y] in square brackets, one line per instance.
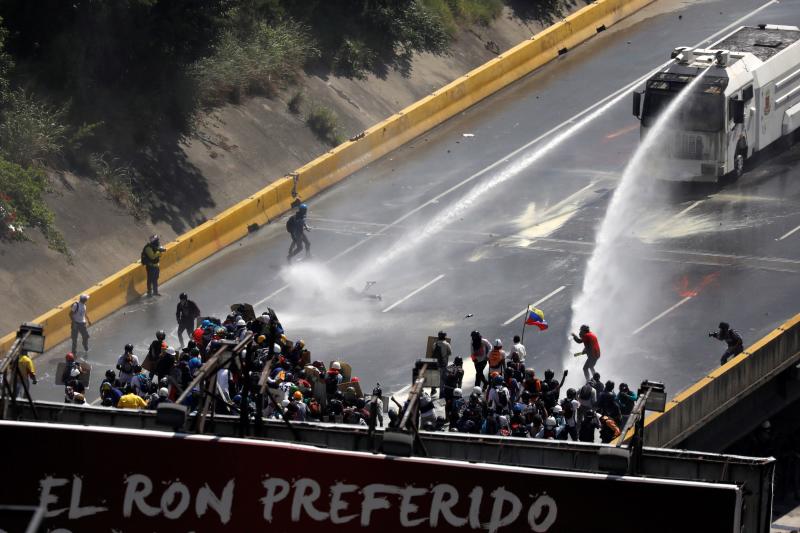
[524, 323]
[5, 364]
[413, 397]
[638, 411]
[202, 413]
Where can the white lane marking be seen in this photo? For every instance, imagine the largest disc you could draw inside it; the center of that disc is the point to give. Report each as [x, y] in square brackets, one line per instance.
[270, 296]
[792, 232]
[736, 23]
[409, 295]
[662, 315]
[522, 148]
[534, 304]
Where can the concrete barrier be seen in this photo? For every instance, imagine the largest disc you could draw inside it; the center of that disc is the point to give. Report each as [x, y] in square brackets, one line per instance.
[721, 389]
[333, 166]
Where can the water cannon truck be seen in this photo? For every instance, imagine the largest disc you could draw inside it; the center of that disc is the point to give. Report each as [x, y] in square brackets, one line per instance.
[749, 98]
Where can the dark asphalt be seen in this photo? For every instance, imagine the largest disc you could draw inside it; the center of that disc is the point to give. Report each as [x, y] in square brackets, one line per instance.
[520, 241]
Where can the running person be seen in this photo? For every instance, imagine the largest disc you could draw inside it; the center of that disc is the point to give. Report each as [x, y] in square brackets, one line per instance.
[296, 226]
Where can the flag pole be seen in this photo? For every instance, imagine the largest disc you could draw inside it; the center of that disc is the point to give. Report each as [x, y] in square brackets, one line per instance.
[524, 323]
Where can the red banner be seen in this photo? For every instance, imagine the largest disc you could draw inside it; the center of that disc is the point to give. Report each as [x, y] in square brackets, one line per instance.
[102, 479]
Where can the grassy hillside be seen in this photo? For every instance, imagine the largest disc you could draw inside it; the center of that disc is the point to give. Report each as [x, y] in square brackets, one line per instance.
[106, 90]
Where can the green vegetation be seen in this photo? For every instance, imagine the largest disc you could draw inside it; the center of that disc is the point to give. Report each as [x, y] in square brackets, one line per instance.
[257, 61]
[120, 181]
[31, 134]
[325, 124]
[108, 89]
[451, 12]
[22, 205]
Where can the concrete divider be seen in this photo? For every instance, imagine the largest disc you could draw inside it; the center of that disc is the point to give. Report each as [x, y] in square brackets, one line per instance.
[721, 389]
[328, 169]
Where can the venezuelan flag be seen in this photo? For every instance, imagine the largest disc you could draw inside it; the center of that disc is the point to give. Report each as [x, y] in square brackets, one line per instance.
[536, 318]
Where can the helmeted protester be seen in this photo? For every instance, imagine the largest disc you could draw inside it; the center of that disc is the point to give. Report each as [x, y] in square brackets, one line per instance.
[186, 314]
[151, 258]
[497, 358]
[627, 400]
[731, 337]
[591, 349]
[607, 403]
[126, 363]
[297, 227]
[131, 400]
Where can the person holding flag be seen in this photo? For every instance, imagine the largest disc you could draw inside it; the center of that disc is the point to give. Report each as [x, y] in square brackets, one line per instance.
[533, 317]
[591, 349]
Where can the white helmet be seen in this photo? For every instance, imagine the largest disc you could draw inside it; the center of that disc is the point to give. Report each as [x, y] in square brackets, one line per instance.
[336, 365]
[163, 392]
[276, 348]
[75, 372]
[457, 393]
[241, 322]
[477, 390]
[498, 343]
[558, 409]
[550, 422]
[170, 350]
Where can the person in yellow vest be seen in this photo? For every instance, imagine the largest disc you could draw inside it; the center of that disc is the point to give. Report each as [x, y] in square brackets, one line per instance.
[27, 372]
[131, 400]
[151, 256]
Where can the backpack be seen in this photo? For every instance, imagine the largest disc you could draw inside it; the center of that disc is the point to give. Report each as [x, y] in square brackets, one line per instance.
[533, 385]
[145, 259]
[451, 376]
[437, 352]
[502, 397]
[586, 392]
[495, 358]
[291, 224]
[566, 406]
[331, 383]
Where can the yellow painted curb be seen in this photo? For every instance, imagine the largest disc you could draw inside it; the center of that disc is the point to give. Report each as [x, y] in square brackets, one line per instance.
[725, 371]
[264, 206]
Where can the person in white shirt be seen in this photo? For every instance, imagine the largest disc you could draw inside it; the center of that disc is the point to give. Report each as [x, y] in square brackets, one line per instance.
[80, 322]
[519, 348]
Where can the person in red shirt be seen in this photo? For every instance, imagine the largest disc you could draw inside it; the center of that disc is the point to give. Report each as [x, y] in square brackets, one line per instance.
[591, 350]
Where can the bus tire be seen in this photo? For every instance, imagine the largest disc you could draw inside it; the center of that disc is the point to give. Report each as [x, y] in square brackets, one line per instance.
[738, 164]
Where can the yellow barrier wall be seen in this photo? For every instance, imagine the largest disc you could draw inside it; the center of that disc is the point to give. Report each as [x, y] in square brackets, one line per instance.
[331, 167]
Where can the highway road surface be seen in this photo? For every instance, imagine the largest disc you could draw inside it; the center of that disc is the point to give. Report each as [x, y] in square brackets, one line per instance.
[703, 253]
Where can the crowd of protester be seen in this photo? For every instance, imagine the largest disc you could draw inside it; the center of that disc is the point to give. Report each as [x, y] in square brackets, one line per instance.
[305, 390]
[513, 400]
[508, 397]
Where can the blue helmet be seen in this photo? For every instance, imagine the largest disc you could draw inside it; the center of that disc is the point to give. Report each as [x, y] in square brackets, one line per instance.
[302, 208]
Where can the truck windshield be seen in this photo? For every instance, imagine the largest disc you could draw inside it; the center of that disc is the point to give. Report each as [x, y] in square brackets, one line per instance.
[702, 112]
